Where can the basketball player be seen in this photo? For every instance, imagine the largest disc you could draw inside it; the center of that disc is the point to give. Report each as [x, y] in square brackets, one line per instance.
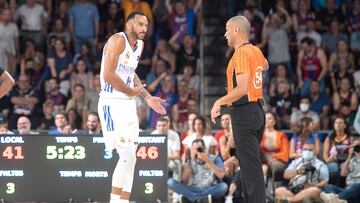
[244, 95]
[6, 82]
[117, 107]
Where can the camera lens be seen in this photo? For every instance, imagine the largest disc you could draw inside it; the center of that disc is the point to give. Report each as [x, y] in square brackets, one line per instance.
[200, 149]
[357, 148]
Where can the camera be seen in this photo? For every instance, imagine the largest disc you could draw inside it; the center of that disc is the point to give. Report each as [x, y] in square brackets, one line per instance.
[309, 168]
[200, 149]
[357, 148]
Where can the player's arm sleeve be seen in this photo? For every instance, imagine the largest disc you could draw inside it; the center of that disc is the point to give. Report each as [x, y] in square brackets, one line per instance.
[241, 62]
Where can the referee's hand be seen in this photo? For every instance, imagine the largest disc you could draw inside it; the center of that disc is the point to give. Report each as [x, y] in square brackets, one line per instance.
[215, 112]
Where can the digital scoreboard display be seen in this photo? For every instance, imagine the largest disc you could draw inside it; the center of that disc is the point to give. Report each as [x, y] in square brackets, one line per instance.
[78, 168]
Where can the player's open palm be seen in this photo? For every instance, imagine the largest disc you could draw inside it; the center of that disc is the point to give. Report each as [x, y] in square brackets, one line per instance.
[156, 104]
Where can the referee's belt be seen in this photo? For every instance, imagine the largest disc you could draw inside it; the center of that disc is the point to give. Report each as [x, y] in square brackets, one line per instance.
[244, 100]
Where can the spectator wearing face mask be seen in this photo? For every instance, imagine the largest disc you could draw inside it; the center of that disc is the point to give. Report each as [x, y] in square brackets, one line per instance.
[307, 176]
[305, 111]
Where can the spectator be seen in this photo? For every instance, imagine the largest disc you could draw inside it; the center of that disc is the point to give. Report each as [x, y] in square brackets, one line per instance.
[68, 129]
[87, 55]
[92, 124]
[192, 80]
[201, 175]
[256, 25]
[55, 95]
[228, 153]
[186, 54]
[173, 146]
[144, 65]
[161, 21]
[163, 51]
[336, 148]
[33, 18]
[9, 40]
[311, 65]
[275, 36]
[350, 169]
[225, 125]
[166, 91]
[58, 31]
[184, 95]
[325, 16]
[154, 78]
[75, 120]
[189, 131]
[77, 101]
[182, 19]
[281, 75]
[84, 24]
[305, 111]
[24, 126]
[36, 56]
[59, 61]
[92, 95]
[332, 37]
[309, 32]
[60, 122]
[353, 26]
[307, 175]
[82, 76]
[320, 103]
[341, 64]
[193, 106]
[274, 144]
[4, 129]
[284, 104]
[300, 16]
[199, 126]
[24, 98]
[47, 119]
[115, 15]
[304, 133]
[345, 101]
[61, 13]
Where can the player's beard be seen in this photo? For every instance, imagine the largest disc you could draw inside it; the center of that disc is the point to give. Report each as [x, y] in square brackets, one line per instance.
[137, 35]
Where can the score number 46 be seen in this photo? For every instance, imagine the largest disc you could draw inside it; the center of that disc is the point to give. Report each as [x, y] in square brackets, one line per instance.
[143, 153]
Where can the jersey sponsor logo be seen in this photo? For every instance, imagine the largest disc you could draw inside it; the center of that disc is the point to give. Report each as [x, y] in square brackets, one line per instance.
[258, 78]
[126, 69]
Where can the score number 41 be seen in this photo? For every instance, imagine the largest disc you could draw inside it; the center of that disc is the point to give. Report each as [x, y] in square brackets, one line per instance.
[11, 152]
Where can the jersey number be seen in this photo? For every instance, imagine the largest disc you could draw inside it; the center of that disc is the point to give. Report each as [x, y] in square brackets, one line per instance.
[258, 78]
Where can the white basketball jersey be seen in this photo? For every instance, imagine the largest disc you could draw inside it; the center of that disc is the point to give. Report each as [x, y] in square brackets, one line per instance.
[125, 69]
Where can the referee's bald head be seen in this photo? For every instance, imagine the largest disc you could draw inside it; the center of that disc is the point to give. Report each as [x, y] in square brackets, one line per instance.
[242, 23]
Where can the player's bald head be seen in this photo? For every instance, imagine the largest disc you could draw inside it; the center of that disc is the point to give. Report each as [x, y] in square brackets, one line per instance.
[242, 23]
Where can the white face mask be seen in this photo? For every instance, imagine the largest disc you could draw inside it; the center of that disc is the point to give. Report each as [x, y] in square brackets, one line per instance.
[304, 107]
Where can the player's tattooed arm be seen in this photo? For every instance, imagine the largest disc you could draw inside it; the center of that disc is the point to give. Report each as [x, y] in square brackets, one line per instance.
[137, 82]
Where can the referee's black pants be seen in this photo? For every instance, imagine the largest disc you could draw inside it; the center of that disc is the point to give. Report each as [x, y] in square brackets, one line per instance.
[248, 122]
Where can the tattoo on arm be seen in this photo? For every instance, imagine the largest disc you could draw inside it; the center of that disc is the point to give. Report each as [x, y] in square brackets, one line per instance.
[137, 82]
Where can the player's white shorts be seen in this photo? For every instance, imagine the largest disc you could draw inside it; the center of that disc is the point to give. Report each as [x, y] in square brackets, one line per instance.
[119, 122]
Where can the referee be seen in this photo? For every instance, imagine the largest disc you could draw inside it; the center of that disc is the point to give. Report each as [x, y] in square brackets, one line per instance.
[244, 99]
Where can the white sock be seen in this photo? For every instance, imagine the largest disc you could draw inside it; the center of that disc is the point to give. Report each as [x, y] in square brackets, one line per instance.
[115, 198]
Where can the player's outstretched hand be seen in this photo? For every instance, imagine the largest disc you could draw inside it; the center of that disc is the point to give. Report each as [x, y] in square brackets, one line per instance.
[136, 91]
[156, 104]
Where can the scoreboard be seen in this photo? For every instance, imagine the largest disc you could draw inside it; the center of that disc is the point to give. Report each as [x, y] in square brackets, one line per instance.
[76, 168]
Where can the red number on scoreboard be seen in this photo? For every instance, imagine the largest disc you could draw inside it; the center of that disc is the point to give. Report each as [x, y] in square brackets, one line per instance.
[13, 152]
[151, 152]
[19, 154]
[8, 152]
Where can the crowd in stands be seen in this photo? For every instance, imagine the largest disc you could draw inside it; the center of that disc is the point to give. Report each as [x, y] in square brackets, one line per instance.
[53, 49]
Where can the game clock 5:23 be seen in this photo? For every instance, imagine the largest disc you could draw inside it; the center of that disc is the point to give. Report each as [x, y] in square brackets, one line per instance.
[65, 152]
